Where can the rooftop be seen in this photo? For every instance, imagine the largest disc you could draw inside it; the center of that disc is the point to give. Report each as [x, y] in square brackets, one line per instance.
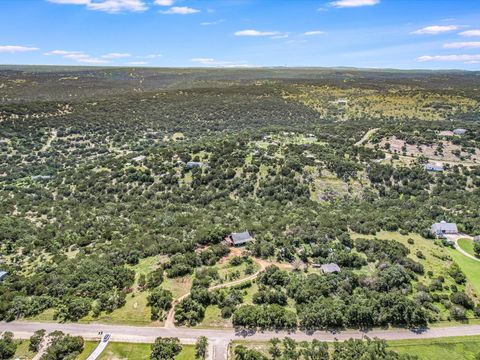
[330, 268]
[240, 238]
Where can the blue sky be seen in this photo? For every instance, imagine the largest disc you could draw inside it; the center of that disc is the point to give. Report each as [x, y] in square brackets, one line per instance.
[432, 34]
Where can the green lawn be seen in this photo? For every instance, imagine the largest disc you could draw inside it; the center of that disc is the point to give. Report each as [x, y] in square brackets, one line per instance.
[22, 352]
[470, 267]
[451, 348]
[467, 245]
[135, 312]
[437, 259]
[455, 348]
[213, 318]
[132, 351]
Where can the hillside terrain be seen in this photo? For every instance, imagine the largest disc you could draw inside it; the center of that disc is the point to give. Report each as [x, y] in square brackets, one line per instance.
[118, 187]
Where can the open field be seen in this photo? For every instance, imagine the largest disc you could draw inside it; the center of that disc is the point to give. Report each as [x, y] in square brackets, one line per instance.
[470, 267]
[467, 245]
[132, 351]
[456, 348]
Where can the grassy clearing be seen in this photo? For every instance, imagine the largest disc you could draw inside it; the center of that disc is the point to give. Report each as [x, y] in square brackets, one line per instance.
[470, 267]
[135, 312]
[458, 348]
[88, 348]
[132, 351]
[22, 352]
[178, 286]
[467, 245]
[213, 319]
[436, 259]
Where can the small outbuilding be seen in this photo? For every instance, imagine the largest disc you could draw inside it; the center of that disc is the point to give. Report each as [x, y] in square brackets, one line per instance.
[3, 275]
[330, 268]
[443, 228]
[459, 131]
[194, 164]
[434, 168]
[239, 239]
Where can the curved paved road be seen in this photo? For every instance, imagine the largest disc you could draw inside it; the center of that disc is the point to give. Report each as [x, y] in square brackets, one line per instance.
[455, 238]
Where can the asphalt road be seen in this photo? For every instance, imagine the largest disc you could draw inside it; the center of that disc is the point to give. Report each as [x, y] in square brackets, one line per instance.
[219, 339]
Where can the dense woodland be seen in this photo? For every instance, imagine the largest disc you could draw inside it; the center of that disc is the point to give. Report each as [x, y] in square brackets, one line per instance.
[93, 178]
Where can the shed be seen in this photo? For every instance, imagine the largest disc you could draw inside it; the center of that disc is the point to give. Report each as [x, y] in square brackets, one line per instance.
[443, 227]
[3, 274]
[330, 268]
[139, 158]
[238, 239]
[433, 167]
[459, 131]
[193, 164]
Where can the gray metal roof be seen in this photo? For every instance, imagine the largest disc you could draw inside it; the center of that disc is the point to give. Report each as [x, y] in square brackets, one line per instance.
[3, 274]
[241, 238]
[330, 268]
[433, 167]
[192, 164]
[444, 226]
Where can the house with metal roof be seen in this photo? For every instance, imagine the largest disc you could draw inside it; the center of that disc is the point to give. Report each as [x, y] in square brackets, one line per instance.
[193, 164]
[330, 268]
[459, 131]
[433, 167]
[3, 274]
[443, 228]
[239, 239]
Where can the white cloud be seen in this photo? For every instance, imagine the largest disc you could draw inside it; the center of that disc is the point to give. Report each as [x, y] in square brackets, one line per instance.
[353, 3]
[164, 2]
[137, 63]
[115, 56]
[70, 2]
[78, 56]
[470, 33]
[435, 29]
[280, 36]
[251, 32]
[215, 63]
[465, 58]
[15, 49]
[110, 6]
[313, 33]
[63, 52]
[463, 45]
[180, 10]
[153, 56]
[208, 23]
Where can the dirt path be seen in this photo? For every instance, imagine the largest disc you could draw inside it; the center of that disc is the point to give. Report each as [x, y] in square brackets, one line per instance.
[53, 136]
[42, 347]
[170, 320]
[366, 136]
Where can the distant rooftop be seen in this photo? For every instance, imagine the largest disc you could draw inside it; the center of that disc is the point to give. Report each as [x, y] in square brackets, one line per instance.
[443, 227]
[241, 238]
[3, 274]
[330, 268]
